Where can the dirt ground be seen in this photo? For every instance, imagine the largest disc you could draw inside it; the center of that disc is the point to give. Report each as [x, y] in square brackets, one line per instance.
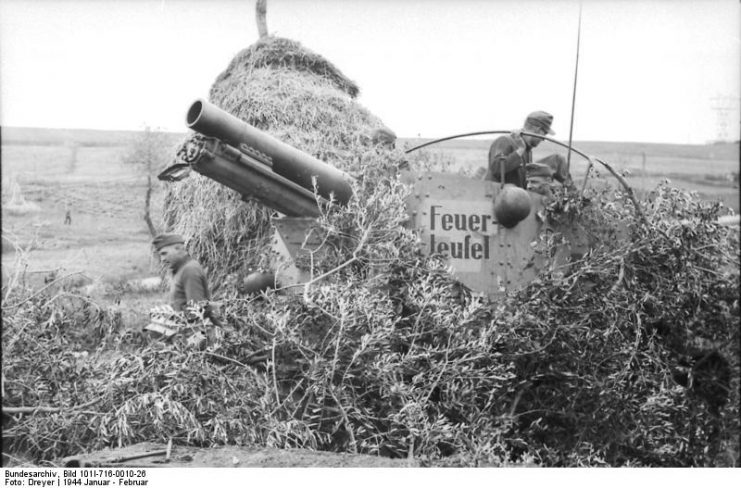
[228, 457]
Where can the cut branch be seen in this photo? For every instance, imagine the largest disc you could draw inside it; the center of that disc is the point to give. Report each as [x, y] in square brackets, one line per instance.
[15, 305]
[40, 409]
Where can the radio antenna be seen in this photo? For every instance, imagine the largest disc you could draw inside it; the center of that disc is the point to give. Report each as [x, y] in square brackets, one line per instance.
[573, 97]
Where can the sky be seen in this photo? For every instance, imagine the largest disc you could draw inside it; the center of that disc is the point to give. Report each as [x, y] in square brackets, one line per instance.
[649, 70]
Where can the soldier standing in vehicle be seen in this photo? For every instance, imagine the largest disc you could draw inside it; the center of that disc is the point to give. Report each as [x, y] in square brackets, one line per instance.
[514, 152]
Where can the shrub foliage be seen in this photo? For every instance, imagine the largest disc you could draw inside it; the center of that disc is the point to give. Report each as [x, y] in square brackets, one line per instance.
[627, 355]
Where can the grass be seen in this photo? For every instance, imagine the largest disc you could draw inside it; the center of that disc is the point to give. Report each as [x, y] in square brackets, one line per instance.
[36, 136]
[107, 241]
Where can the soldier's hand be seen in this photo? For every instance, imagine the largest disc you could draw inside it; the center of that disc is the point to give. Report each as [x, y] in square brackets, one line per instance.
[569, 183]
[519, 142]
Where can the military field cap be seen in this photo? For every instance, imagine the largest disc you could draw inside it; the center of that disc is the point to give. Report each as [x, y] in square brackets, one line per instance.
[542, 120]
[164, 240]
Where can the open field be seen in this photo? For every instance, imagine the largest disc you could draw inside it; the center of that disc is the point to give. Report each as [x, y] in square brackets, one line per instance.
[106, 245]
[39, 136]
[82, 170]
[104, 198]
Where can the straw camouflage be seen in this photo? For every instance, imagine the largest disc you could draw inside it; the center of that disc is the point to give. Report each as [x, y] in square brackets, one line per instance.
[281, 87]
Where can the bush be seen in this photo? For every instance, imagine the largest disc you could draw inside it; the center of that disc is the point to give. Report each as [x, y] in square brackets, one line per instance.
[626, 356]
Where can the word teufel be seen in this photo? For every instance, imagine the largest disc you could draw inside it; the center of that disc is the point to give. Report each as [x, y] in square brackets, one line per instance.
[465, 249]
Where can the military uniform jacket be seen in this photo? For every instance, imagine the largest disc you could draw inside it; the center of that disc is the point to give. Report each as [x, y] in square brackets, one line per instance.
[189, 283]
[503, 151]
[521, 170]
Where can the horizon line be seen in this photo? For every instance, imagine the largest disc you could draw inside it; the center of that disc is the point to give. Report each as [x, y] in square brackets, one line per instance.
[417, 137]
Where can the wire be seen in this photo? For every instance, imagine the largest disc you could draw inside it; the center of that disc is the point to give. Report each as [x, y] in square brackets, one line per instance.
[486, 132]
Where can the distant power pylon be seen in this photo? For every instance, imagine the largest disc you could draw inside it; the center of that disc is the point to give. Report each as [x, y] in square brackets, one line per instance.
[726, 109]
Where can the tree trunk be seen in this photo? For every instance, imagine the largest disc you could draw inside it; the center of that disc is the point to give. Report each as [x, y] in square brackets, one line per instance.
[147, 201]
[261, 9]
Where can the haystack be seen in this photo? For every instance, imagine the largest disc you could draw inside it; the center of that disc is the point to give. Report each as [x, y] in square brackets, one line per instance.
[17, 203]
[294, 94]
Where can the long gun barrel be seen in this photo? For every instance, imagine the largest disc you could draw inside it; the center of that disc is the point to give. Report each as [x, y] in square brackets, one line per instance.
[287, 161]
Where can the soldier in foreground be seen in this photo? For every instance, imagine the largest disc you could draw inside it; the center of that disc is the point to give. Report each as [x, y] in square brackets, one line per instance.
[514, 152]
[189, 282]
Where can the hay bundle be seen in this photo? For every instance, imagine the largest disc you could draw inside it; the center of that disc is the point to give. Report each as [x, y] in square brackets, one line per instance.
[277, 53]
[17, 203]
[294, 94]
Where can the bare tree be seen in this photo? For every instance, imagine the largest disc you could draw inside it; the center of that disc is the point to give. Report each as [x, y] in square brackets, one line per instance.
[149, 151]
[261, 8]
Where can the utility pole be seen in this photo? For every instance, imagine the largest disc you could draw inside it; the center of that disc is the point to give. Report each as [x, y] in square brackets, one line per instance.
[724, 107]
